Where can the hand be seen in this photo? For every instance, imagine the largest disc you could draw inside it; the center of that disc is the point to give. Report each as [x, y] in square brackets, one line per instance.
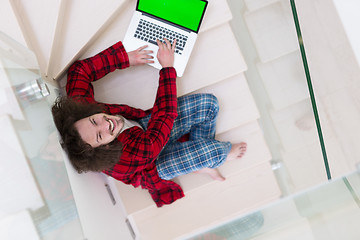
[140, 56]
[165, 54]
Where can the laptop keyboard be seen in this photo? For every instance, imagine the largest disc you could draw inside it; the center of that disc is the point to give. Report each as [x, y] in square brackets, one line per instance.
[149, 32]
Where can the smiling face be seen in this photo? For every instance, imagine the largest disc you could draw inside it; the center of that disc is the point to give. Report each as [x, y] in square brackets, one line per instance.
[99, 129]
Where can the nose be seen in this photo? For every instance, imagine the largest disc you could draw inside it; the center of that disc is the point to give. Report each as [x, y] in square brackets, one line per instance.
[103, 125]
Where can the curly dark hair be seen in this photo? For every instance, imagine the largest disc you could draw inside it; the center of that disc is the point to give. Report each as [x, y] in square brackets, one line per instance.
[83, 156]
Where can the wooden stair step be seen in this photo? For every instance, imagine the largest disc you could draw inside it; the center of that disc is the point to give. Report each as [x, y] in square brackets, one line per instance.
[277, 217]
[296, 125]
[298, 230]
[257, 149]
[253, 5]
[238, 195]
[9, 24]
[217, 14]
[237, 105]
[286, 75]
[16, 56]
[136, 199]
[216, 57]
[257, 153]
[272, 30]
[202, 70]
[39, 34]
[79, 23]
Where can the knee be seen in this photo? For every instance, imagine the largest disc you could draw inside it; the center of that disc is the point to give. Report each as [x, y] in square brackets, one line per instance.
[204, 102]
[212, 102]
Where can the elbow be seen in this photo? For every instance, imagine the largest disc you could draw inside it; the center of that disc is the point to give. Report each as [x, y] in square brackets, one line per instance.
[78, 70]
[75, 67]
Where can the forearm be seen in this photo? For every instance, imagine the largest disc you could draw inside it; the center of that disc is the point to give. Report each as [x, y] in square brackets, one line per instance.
[164, 111]
[166, 96]
[83, 72]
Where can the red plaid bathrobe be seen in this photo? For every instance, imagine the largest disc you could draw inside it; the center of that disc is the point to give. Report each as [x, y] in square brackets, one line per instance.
[136, 165]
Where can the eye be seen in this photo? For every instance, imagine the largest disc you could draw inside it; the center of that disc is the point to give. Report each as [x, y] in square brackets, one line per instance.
[100, 136]
[94, 122]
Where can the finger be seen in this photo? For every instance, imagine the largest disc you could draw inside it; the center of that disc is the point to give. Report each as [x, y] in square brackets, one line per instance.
[168, 44]
[141, 48]
[148, 51]
[173, 45]
[159, 43]
[147, 57]
[150, 61]
[143, 61]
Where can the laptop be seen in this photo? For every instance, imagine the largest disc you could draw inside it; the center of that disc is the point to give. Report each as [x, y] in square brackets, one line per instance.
[170, 19]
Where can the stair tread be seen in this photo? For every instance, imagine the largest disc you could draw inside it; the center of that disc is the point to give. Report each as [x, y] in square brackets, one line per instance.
[253, 5]
[296, 125]
[202, 70]
[279, 215]
[216, 57]
[257, 153]
[217, 13]
[272, 30]
[135, 200]
[38, 33]
[236, 102]
[238, 195]
[13, 30]
[286, 75]
[78, 24]
[301, 229]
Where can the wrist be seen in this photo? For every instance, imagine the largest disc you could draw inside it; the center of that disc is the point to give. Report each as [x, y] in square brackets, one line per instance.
[168, 67]
[169, 72]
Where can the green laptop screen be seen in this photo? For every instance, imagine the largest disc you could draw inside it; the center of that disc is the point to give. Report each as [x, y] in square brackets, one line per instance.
[186, 13]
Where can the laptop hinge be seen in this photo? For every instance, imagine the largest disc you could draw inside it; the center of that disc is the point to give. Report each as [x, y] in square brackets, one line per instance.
[167, 22]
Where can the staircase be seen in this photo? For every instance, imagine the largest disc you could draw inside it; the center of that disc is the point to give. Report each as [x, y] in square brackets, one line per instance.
[62, 31]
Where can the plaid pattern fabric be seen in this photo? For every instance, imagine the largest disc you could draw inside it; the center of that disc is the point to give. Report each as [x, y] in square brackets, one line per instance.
[197, 117]
[82, 73]
[140, 148]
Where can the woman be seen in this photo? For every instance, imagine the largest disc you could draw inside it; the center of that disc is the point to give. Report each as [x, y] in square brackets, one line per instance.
[137, 147]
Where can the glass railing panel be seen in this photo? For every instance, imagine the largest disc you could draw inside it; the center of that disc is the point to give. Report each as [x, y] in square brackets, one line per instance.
[55, 214]
[267, 37]
[334, 71]
[329, 211]
[320, 89]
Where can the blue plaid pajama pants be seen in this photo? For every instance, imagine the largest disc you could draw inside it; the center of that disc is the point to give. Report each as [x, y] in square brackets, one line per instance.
[197, 115]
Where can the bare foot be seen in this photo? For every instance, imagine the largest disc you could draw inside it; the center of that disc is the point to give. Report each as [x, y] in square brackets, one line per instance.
[237, 151]
[213, 173]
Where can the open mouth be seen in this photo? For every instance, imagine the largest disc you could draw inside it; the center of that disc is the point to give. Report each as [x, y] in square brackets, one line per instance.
[111, 126]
